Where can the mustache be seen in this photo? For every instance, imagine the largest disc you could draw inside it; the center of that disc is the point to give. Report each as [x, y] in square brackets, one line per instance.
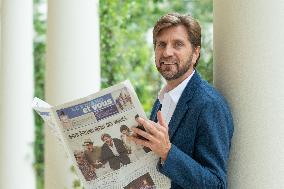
[169, 60]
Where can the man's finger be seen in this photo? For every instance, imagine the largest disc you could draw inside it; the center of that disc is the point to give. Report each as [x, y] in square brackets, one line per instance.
[140, 142]
[161, 119]
[154, 128]
[149, 126]
[144, 134]
[159, 127]
[140, 120]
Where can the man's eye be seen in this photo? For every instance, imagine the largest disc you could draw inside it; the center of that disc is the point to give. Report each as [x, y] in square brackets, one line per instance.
[179, 44]
[161, 45]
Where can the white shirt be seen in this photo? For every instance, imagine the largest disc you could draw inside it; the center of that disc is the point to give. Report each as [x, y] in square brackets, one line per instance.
[169, 99]
[113, 149]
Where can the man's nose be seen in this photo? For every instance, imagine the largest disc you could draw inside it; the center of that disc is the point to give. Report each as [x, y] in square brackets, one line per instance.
[169, 51]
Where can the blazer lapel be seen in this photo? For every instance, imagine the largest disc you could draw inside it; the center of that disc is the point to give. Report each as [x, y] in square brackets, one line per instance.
[182, 105]
[155, 109]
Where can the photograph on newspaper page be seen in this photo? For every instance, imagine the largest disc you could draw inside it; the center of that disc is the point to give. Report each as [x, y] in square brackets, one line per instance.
[143, 182]
[96, 129]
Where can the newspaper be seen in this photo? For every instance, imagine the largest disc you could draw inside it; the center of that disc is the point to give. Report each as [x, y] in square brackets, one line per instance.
[94, 131]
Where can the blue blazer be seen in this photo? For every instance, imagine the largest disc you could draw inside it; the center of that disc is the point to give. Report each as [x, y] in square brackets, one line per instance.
[200, 131]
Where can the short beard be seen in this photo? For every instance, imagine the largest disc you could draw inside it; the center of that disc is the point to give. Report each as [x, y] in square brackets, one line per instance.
[180, 70]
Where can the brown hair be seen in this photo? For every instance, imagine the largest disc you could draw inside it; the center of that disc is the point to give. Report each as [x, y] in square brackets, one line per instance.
[174, 19]
[105, 135]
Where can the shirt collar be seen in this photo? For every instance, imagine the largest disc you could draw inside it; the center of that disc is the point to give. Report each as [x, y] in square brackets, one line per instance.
[176, 92]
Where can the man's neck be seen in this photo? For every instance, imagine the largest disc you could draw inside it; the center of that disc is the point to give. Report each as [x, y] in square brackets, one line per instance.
[171, 84]
[110, 144]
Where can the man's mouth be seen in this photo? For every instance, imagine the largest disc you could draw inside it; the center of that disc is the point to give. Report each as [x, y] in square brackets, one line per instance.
[168, 62]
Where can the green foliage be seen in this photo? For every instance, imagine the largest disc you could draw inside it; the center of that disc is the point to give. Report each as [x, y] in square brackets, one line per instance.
[126, 52]
[203, 12]
[76, 183]
[39, 61]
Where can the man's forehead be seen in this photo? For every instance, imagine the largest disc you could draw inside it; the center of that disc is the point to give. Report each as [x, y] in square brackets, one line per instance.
[178, 32]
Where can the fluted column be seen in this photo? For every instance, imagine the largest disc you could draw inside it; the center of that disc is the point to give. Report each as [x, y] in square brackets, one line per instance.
[249, 71]
[72, 71]
[16, 93]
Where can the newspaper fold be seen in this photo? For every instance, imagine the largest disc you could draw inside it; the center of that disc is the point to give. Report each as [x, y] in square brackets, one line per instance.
[94, 131]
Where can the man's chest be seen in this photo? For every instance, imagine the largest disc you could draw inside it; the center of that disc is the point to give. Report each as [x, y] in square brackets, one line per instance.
[184, 135]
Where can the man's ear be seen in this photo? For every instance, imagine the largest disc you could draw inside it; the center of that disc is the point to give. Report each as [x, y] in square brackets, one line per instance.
[195, 54]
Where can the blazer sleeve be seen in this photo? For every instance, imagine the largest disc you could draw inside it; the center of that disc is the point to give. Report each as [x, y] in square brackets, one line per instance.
[207, 166]
[105, 153]
[120, 146]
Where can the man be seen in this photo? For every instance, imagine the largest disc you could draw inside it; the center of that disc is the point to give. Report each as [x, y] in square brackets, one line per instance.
[66, 122]
[134, 151]
[92, 153]
[194, 127]
[87, 169]
[114, 152]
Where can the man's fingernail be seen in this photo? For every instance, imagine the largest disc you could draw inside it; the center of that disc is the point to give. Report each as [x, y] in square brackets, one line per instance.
[140, 119]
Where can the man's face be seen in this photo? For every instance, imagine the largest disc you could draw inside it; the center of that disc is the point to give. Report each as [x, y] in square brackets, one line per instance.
[174, 55]
[90, 147]
[80, 158]
[125, 132]
[107, 140]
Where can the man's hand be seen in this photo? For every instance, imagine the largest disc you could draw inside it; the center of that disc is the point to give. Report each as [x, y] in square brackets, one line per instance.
[157, 135]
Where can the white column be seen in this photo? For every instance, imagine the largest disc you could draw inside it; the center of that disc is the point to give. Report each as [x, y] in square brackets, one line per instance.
[16, 93]
[249, 71]
[72, 71]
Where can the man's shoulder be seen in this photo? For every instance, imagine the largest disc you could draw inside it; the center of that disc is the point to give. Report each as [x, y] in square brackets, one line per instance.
[200, 88]
[117, 140]
[104, 146]
[207, 93]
